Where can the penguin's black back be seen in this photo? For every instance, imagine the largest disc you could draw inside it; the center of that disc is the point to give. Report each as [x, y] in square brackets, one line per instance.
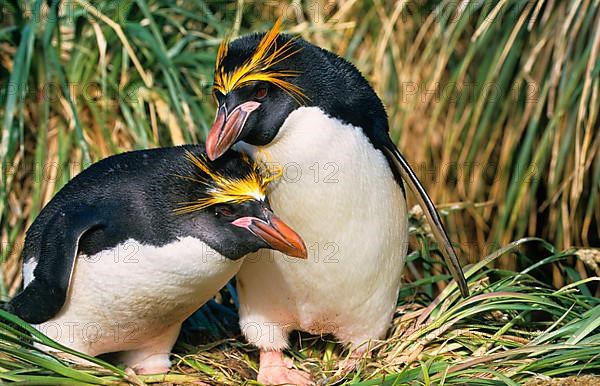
[137, 190]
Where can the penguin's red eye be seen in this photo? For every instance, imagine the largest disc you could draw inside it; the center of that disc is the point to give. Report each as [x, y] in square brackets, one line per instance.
[224, 211]
[261, 93]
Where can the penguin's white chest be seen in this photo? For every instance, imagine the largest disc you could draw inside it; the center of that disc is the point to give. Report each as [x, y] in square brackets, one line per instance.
[122, 297]
[338, 192]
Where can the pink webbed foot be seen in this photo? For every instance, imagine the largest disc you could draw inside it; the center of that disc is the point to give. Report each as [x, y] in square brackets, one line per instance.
[276, 369]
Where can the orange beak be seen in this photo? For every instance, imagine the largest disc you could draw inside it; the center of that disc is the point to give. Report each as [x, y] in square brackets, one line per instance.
[227, 128]
[276, 234]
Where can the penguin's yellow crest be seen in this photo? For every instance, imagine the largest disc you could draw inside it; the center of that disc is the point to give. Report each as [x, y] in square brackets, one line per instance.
[222, 189]
[258, 67]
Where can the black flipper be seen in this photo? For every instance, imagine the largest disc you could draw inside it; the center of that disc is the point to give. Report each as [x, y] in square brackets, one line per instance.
[409, 176]
[43, 298]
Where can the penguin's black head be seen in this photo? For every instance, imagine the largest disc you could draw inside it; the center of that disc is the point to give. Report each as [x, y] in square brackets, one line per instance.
[229, 209]
[247, 227]
[261, 78]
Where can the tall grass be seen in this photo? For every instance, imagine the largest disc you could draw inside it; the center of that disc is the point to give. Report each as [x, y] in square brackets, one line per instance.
[495, 103]
[502, 98]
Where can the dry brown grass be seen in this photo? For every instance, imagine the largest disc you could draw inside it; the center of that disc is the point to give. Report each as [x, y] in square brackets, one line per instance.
[495, 104]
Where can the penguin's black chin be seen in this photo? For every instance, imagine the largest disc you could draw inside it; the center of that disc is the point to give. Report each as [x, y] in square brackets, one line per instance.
[227, 128]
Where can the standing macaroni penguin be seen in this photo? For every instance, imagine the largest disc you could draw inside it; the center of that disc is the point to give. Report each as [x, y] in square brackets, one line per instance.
[304, 108]
[133, 245]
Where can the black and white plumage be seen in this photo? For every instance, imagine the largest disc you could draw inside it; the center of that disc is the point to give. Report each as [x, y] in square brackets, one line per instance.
[352, 215]
[115, 261]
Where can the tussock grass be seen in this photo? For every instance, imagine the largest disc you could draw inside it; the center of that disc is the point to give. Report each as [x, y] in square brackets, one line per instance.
[495, 103]
[513, 329]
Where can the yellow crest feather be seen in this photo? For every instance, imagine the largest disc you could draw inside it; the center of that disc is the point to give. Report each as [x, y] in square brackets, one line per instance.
[259, 66]
[222, 189]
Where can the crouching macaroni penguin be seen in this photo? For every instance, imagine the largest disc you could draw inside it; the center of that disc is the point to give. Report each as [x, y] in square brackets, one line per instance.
[137, 242]
[289, 102]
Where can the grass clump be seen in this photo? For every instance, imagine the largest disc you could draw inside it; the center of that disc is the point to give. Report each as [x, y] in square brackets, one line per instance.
[495, 103]
[513, 329]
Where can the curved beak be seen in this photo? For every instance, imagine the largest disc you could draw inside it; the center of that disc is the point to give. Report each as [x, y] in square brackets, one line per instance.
[227, 128]
[275, 233]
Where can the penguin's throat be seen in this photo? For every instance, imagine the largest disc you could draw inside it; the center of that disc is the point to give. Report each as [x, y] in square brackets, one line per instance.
[307, 134]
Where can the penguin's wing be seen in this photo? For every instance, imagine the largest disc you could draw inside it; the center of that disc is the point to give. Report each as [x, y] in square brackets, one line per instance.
[409, 176]
[45, 295]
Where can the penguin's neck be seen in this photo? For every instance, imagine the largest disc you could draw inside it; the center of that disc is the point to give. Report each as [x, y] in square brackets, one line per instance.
[308, 135]
[329, 167]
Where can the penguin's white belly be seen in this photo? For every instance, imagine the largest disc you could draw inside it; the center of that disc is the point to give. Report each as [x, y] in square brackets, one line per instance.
[339, 194]
[122, 298]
